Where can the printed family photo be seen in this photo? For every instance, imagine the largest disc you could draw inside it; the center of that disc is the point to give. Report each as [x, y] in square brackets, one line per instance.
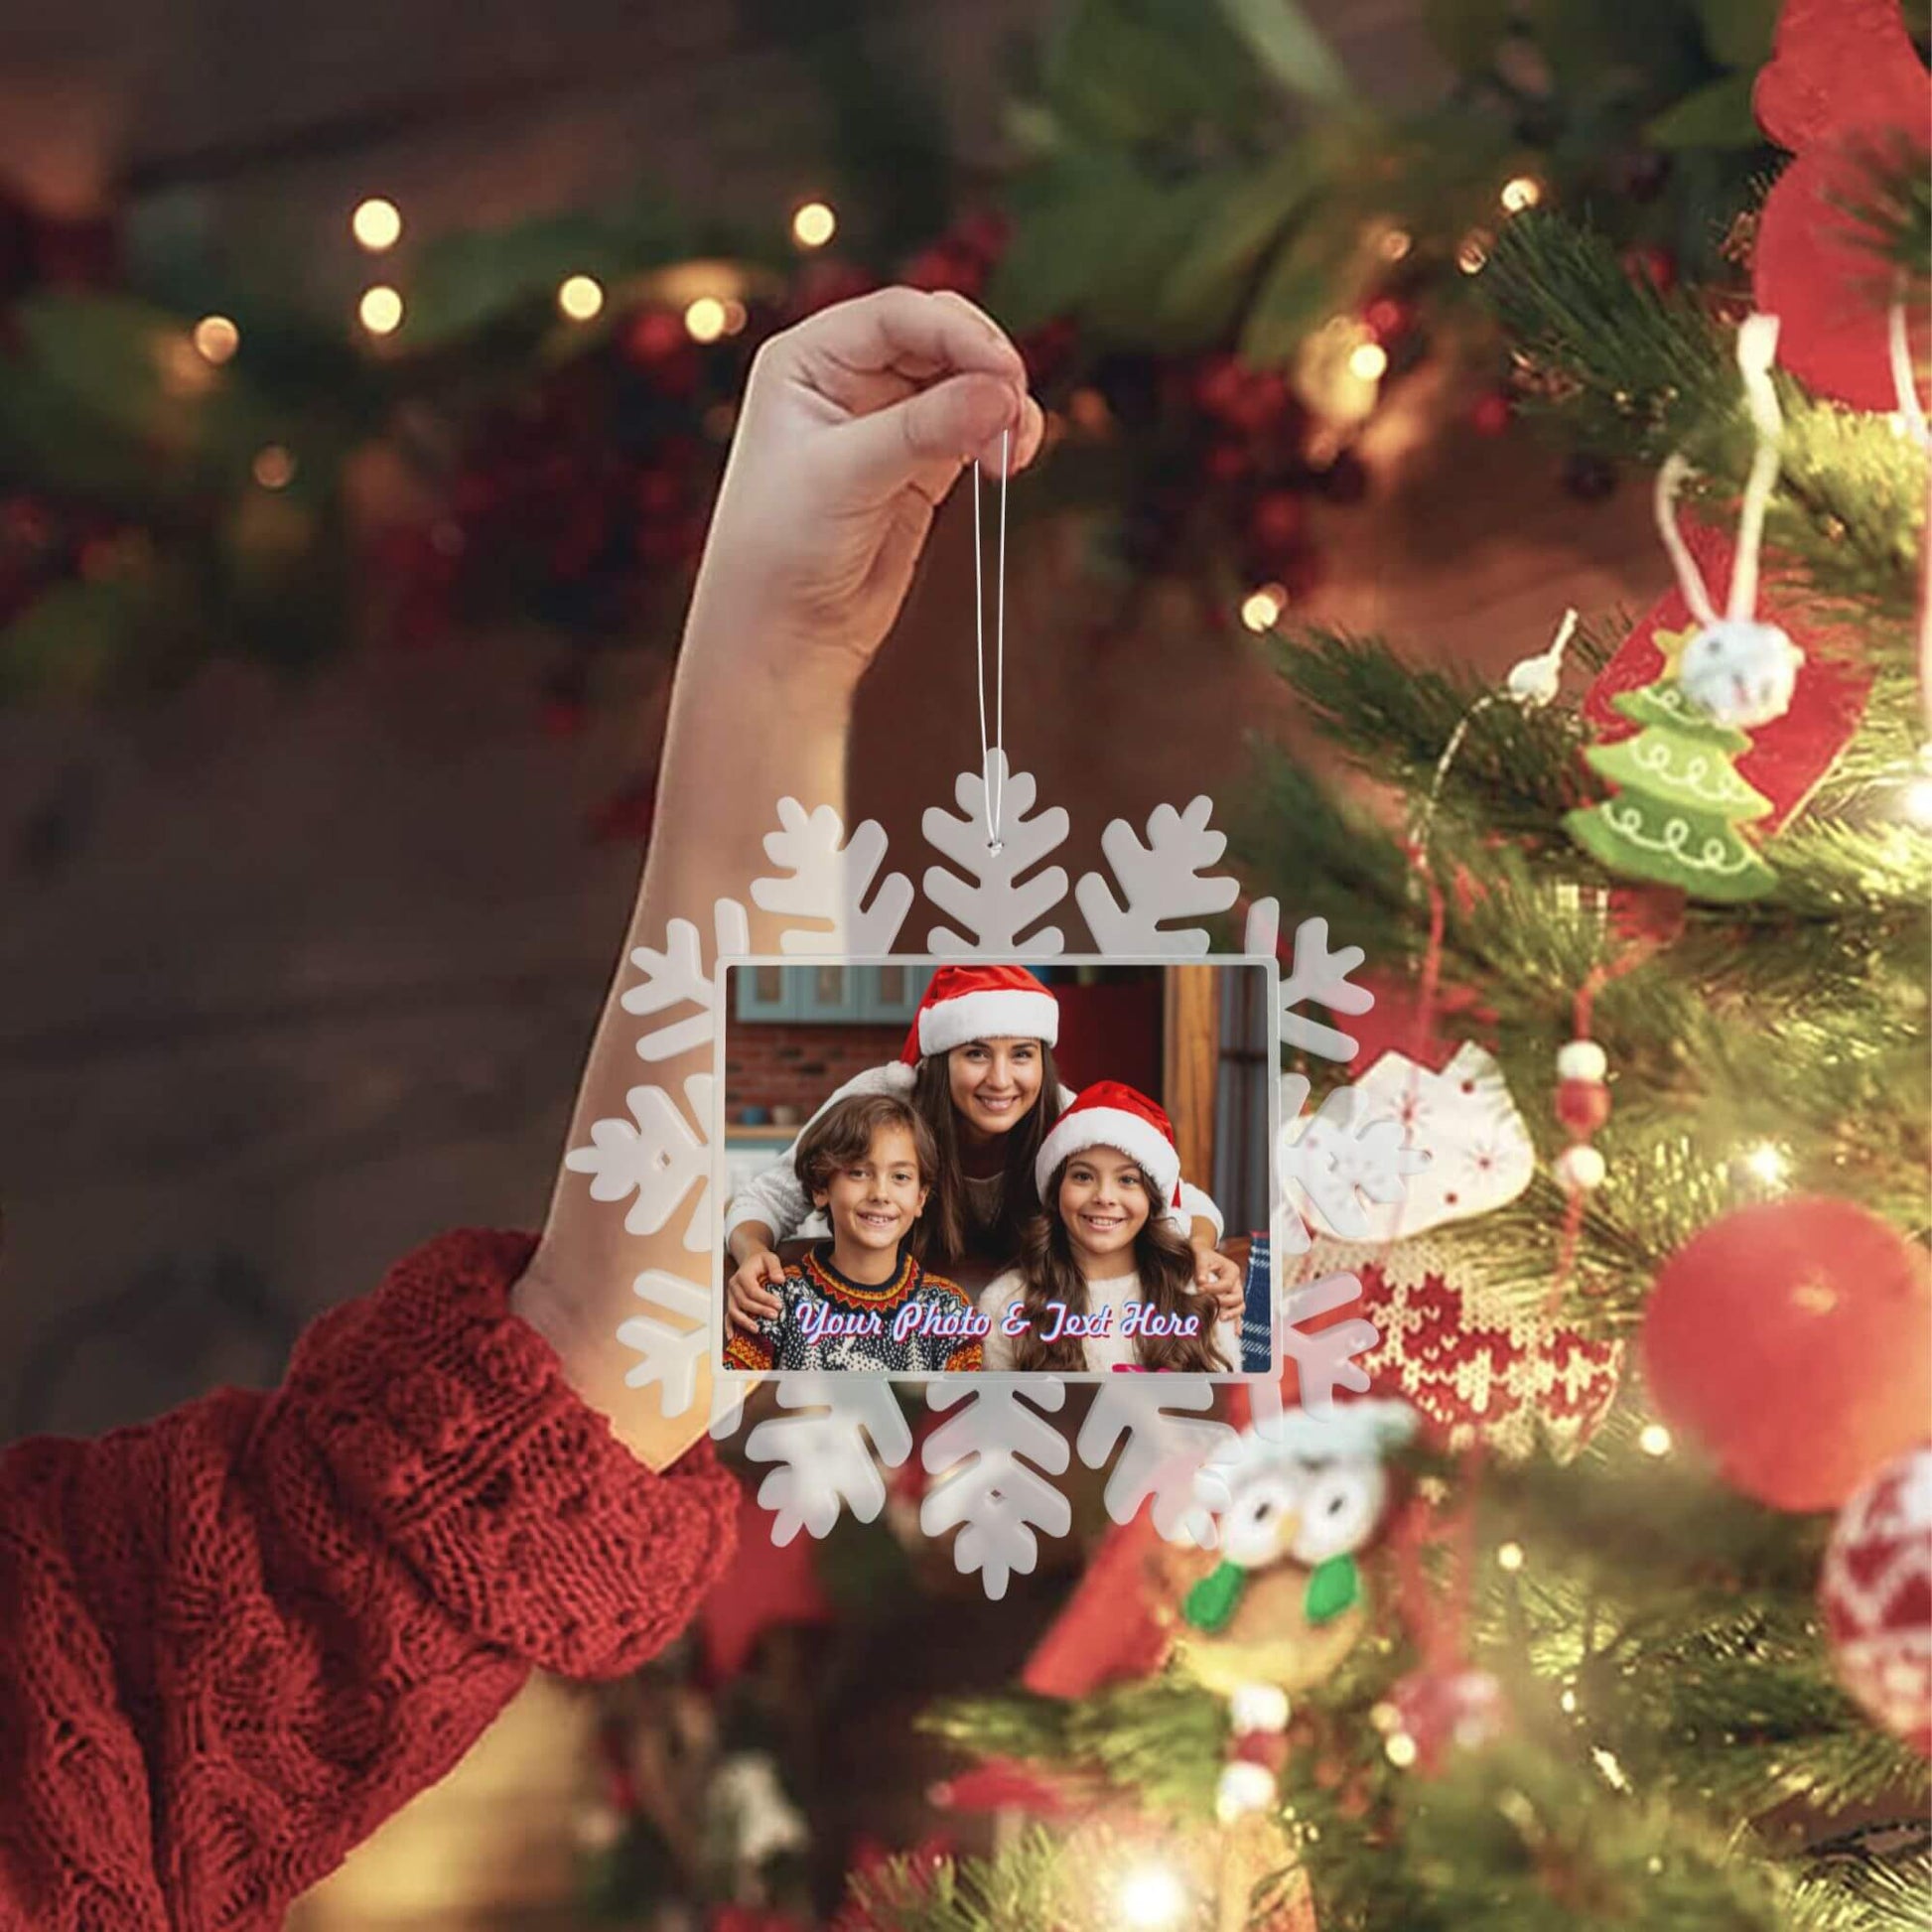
[937, 1168]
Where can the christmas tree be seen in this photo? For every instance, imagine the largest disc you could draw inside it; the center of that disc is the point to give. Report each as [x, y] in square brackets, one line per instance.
[1643, 1636]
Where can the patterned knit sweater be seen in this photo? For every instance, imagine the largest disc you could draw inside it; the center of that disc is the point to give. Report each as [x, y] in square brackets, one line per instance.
[232, 1642]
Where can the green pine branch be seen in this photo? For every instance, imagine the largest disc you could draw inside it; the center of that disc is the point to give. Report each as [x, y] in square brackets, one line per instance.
[1642, 374]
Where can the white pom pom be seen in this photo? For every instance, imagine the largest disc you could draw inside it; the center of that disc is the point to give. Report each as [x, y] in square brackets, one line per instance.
[1582, 1059]
[1244, 1787]
[1258, 1706]
[900, 1076]
[1741, 673]
[1581, 1168]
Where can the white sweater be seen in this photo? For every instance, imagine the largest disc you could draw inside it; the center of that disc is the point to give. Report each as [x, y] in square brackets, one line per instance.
[1104, 1352]
[776, 1198]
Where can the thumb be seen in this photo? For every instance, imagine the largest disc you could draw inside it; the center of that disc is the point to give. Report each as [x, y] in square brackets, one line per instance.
[926, 438]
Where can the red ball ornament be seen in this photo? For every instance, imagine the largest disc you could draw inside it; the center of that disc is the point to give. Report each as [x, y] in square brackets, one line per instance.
[1430, 1713]
[1793, 1339]
[1875, 1591]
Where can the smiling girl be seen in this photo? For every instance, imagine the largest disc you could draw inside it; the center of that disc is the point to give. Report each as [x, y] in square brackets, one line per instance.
[978, 1068]
[1106, 1278]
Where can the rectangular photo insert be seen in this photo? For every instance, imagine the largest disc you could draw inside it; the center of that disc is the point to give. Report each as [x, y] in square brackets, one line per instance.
[1060, 1167]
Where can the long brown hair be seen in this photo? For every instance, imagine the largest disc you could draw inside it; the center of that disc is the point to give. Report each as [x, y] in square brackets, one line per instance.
[1165, 1260]
[947, 1228]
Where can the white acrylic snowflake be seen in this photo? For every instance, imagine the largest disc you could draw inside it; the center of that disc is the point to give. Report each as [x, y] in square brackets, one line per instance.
[823, 1461]
[1163, 1453]
[828, 1450]
[658, 1154]
[830, 878]
[982, 1487]
[991, 901]
[1163, 877]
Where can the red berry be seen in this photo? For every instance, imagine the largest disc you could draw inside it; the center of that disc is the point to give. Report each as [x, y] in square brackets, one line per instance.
[1228, 463]
[1657, 266]
[1276, 519]
[1388, 317]
[1583, 1105]
[1491, 416]
[653, 335]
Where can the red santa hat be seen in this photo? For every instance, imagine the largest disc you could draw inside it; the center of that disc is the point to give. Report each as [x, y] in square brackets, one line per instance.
[965, 1002]
[1112, 1114]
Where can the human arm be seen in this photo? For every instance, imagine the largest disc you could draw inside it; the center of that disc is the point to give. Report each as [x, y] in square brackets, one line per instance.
[1214, 1273]
[855, 424]
[243, 1635]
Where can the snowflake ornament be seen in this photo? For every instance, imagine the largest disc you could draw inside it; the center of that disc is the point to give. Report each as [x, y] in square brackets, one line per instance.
[1164, 1455]
[995, 1458]
[829, 880]
[824, 1463]
[1336, 1154]
[980, 1485]
[677, 977]
[658, 1156]
[984, 894]
[1160, 877]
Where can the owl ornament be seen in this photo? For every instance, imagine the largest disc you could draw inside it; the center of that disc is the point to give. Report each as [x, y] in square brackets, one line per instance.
[1680, 798]
[1296, 1498]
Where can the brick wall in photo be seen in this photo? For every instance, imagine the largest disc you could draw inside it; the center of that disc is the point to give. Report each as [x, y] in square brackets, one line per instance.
[777, 1063]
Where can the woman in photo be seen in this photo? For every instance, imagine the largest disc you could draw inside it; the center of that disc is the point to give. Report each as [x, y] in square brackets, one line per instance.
[1106, 1278]
[978, 1067]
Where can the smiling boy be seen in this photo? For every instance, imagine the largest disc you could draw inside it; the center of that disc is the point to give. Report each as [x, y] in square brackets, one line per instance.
[862, 1300]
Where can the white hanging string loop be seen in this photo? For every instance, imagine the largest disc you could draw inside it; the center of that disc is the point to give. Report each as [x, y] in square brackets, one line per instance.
[1904, 378]
[1757, 348]
[1689, 580]
[992, 768]
[1532, 684]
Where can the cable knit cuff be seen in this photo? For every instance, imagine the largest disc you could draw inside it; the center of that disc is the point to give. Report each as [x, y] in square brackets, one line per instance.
[443, 1428]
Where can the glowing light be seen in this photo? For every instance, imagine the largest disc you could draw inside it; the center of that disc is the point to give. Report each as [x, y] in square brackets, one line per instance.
[1401, 1750]
[217, 338]
[1607, 1763]
[1368, 361]
[1472, 255]
[380, 309]
[813, 226]
[1655, 1440]
[1915, 802]
[274, 466]
[1568, 1702]
[580, 297]
[704, 319]
[1520, 192]
[1261, 607]
[1510, 1556]
[1396, 244]
[1152, 1898]
[1766, 1162]
[376, 225]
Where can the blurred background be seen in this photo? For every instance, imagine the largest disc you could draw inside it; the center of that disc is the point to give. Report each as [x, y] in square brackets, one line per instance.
[366, 373]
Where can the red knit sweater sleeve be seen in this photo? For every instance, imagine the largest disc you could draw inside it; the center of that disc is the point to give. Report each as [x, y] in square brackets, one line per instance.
[235, 1639]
